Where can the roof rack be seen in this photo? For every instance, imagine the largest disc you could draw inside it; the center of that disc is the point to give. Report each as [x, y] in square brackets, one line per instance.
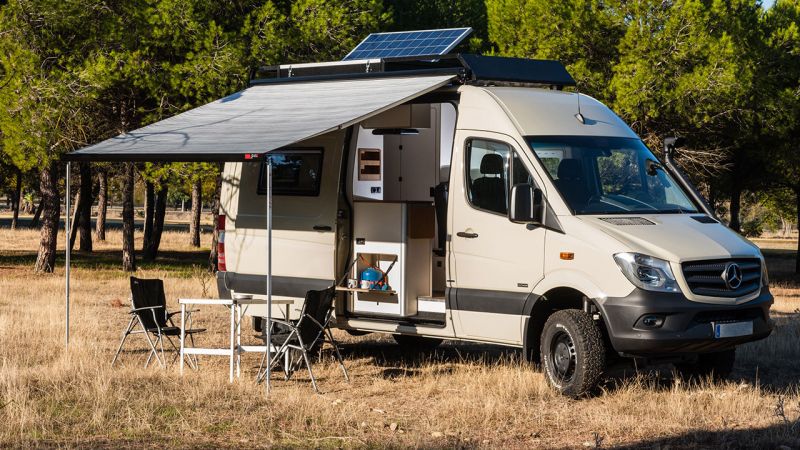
[468, 68]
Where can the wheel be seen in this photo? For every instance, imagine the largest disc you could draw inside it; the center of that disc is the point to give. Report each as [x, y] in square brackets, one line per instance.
[416, 342]
[573, 352]
[718, 366]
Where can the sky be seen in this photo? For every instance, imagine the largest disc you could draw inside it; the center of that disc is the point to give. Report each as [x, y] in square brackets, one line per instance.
[767, 3]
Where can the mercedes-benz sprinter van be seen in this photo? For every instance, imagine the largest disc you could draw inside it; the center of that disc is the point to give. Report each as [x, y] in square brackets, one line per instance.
[495, 207]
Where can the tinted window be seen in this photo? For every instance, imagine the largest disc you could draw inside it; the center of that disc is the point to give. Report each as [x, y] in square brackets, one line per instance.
[294, 172]
[487, 165]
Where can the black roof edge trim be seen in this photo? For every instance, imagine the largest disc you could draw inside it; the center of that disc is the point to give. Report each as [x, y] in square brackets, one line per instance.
[471, 69]
[455, 72]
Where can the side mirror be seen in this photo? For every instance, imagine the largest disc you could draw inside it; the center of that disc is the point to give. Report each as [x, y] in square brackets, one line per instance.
[673, 143]
[527, 204]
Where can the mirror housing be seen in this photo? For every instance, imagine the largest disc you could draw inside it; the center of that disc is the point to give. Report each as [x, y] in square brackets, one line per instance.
[527, 205]
[671, 144]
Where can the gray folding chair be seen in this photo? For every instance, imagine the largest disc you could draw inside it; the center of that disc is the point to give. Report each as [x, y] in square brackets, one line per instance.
[149, 312]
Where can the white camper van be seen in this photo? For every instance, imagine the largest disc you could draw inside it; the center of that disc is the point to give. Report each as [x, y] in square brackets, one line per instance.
[489, 205]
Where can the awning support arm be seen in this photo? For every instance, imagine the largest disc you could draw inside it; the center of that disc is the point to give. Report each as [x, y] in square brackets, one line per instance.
[269, 272]
[68, 231]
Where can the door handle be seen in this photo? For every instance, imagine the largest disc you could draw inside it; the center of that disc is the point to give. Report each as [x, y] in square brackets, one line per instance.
[467, 235]
[322, 228]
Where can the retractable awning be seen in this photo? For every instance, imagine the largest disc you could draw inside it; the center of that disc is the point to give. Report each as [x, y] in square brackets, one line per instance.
[260, 119]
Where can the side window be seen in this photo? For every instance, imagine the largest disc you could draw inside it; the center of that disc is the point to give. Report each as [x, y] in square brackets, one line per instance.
[487, 166]
[294, 172]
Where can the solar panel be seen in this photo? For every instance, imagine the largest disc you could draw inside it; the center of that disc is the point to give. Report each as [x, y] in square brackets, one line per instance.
[408, 43]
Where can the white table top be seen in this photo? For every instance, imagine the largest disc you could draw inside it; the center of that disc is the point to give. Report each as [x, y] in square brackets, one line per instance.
[229, 301]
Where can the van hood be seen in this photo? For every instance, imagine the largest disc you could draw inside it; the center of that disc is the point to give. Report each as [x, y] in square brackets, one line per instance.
[675, 237]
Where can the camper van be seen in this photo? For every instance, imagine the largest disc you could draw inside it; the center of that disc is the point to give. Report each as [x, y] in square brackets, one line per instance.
[491, 205]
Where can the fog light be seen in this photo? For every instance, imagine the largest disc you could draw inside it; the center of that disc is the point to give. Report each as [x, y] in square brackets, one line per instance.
[652, 321]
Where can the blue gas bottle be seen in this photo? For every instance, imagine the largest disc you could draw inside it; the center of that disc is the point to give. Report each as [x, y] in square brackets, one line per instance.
[370, 277]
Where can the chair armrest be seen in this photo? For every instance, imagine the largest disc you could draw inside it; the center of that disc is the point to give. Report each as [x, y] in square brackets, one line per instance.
[145, 308]
[283, 322]
[188, 311]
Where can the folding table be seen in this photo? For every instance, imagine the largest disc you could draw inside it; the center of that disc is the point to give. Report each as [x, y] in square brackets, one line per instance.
[236, 348]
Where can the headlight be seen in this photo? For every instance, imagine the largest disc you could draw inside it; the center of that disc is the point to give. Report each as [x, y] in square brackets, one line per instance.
[646, 272]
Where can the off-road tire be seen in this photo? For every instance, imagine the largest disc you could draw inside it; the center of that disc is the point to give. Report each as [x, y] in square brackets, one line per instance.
[577, 341]
[718, 366]
[419, 343]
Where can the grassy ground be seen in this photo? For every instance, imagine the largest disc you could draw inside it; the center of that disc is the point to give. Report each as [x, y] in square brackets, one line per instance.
[461, 396]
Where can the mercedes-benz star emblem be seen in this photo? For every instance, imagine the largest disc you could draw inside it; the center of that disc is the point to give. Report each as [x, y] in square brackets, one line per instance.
[732, 276]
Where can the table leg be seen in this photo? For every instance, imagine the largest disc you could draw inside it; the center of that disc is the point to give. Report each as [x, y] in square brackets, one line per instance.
[183, 332]
[233, 341]
[238, 341]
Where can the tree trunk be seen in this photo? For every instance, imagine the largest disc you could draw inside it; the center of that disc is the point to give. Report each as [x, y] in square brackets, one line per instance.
[151, 252]
[197, 206]
[149, 209]
[736, 206]
[85, 211]
[73, 232]
[102, 205]
[215, 205]
[51, 211]
[36, 215]
[128, 251]
[15, 201]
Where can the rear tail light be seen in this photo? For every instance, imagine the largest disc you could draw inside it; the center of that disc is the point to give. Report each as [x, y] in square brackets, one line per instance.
[221, 244]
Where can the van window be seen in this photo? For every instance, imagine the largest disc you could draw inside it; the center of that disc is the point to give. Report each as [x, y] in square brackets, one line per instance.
[294, 172]
[487, 166]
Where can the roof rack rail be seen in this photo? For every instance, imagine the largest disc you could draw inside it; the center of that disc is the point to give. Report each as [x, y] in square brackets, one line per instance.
[469, 68]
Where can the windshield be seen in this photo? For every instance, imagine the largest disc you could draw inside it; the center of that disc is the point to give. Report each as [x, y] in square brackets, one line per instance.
[602, 175]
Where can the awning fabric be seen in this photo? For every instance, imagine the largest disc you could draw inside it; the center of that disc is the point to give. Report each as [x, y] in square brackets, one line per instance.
[260, 119]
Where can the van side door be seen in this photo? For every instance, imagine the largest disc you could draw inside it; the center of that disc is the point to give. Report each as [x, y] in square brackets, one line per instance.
[495, 263]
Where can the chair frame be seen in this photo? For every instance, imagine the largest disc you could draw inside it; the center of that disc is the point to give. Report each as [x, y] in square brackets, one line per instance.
[324, 334]
[156, 346]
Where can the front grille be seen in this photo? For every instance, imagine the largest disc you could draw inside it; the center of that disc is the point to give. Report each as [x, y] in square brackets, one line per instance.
[706, 277]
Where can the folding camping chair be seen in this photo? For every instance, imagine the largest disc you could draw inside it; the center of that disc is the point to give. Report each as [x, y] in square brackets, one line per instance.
[309, 333]
[149, 311]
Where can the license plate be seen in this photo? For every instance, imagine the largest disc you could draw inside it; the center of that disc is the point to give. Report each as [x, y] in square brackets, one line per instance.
[732, 329]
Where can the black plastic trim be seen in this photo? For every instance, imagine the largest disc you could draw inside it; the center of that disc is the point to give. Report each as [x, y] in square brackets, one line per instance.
[495, 302]
[454, 71]
[686, 327]
[281, 285]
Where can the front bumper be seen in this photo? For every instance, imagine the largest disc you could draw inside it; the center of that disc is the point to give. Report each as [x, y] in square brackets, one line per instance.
[686, 324]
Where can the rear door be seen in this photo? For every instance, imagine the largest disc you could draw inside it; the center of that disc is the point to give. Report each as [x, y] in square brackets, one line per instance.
[495, 262]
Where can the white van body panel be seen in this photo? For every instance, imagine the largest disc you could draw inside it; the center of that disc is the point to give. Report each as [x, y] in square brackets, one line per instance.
[299, 251]
[508, 261]
[679, 238]
[545, 112]
[593, 271]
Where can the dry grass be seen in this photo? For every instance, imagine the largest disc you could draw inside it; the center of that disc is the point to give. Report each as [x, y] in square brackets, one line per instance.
[462, 396]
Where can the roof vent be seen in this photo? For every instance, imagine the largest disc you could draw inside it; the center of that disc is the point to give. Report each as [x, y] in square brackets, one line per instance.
[704, 219]
[627, 221]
